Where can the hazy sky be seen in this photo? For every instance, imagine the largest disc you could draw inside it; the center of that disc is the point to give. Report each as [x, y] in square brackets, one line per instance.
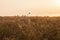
[36, 7]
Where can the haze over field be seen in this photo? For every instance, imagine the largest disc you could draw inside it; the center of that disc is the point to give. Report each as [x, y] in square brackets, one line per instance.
[36, 7]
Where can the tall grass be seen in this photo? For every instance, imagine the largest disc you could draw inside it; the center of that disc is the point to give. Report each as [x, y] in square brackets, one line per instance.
[29, 28]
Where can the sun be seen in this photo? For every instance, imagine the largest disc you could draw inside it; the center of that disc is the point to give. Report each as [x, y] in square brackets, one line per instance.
[57, 2]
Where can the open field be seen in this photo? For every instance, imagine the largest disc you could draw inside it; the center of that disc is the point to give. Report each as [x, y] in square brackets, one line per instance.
[29, 28]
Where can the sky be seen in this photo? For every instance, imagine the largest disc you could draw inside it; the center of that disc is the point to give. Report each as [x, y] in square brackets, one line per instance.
[35, 7]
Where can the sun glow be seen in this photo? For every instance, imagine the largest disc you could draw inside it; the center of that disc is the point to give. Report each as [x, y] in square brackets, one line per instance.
[57, 2]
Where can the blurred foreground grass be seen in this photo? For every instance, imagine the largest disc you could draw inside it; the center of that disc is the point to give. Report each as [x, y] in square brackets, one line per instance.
[29, 28]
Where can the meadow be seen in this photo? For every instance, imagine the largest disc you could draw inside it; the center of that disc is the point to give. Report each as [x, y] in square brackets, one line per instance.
[29, 28]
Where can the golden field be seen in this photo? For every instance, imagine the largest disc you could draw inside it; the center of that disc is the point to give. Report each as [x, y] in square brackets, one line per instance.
[29, 28]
